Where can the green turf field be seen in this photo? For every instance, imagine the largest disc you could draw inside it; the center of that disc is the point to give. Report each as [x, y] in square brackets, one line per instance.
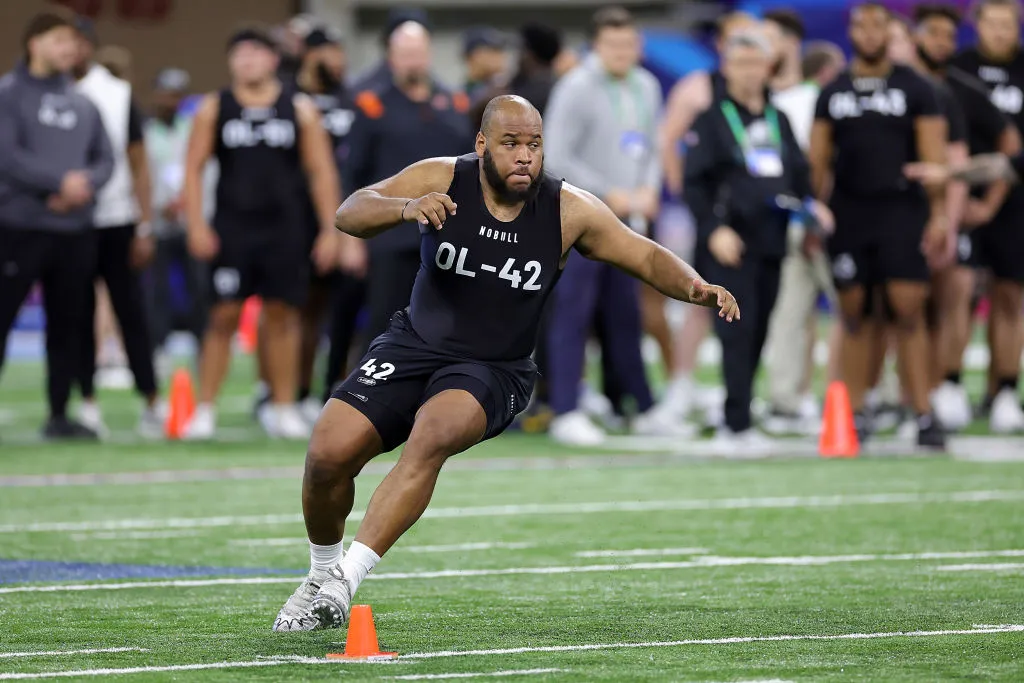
[533, 563]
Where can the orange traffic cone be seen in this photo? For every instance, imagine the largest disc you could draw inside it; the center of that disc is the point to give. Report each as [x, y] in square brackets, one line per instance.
[838, 433]
[248, 324]
[361, 643]
[182, 404]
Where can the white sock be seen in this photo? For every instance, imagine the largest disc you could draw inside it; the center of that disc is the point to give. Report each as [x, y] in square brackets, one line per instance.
[323, 557]
[358, 562]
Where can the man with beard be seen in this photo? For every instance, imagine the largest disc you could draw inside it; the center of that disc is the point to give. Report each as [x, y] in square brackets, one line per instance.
[454, 368]
[987, 129]
[997, 245]
[871, 121]
[410, 118]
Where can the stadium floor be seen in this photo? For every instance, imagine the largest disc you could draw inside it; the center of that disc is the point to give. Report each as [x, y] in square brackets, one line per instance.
[146, 561]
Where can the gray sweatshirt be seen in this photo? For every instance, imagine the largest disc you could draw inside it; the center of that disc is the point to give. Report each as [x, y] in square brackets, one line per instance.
[600, 132]
[46, 130]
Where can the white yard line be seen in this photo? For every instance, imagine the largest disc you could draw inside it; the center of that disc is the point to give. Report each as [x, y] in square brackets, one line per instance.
[839, 500]
[132, 535]
[643, 552]
[60, 653]
[1008, 628]
[994, 567]
[456, 547]
[159, 669]
[701, 562]
[477, 674]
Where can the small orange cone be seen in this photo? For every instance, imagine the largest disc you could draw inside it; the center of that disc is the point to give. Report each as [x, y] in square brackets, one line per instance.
[182, 404]
[838, 433]
[361, 643]
[248, 324]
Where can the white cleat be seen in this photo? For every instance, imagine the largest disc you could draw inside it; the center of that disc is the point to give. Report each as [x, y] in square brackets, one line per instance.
[151, 421]
[203, 424]
[331, 604]
[296, 614]
[951, 406]
[1006, 416]
[90, 415]
[576, 429]
[662, 421]
[283, 422]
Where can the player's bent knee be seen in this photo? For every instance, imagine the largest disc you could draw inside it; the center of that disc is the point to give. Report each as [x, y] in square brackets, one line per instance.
[343, 441]
[224, 319]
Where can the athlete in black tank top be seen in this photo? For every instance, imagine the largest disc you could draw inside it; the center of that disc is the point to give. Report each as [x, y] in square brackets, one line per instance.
[272, 148]
[455, 368]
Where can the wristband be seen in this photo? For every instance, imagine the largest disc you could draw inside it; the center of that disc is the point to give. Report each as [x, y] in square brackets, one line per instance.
[406, 207]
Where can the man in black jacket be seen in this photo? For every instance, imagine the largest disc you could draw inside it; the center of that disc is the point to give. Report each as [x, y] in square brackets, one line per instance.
[742, 162]
[54, 158]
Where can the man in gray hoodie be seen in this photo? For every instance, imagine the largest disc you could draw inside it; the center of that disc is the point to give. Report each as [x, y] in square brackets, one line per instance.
[54, 157]
[600, 129]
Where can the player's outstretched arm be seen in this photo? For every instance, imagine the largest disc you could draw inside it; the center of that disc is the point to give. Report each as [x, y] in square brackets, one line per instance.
[979, 170]
[598, 234]
[416, 193]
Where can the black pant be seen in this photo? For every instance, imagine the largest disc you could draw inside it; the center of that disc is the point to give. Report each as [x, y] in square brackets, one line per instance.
[755, 284]
[170, 251]
[113, 265]
[64, 263]
[389, 287]
[347, 301]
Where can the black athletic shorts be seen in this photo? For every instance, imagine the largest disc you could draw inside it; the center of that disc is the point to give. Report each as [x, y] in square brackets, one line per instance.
[271, 266]
[877, 241]
[400, 372]
[999, 246]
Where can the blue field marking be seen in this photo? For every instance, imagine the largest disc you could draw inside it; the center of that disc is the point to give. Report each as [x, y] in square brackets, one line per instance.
[23, 571]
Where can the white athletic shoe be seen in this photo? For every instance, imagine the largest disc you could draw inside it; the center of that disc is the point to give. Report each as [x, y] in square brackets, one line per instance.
[332, 602]
[310, 409]
[597, 406]
[661, 420]
[90, 415]
[810, 409]
[679, 396]
[951, 406]
[296, 615]
[151, 421]
[203, 424]
[728, 442]
[576, 429]
[1006, 416]
[283, 422]
[114, 377]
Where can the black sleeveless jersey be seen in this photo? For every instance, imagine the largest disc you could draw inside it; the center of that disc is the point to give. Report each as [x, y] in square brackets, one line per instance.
[482, 283]
[338, 112]
[261, 176]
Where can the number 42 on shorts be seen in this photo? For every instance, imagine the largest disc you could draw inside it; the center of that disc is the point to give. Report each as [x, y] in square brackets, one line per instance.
[370, 369]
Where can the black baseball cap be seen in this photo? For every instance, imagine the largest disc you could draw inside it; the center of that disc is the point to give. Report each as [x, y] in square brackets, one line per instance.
[319, 37]
[486, 37]
[87, 29]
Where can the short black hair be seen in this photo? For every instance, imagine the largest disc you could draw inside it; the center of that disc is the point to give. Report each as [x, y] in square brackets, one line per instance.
[610, 17]
[44, 22]
[870, 4]
[723, 22]
[817, 56]
[789, 21]
[256, 33]
[541, 40]
[924, 12]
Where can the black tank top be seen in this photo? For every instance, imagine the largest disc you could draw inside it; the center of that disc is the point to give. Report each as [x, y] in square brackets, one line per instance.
[482, 283]
[261, 176]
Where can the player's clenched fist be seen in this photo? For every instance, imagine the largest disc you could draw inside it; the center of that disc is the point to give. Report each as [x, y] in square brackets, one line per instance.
[433, 208]
[713, 296]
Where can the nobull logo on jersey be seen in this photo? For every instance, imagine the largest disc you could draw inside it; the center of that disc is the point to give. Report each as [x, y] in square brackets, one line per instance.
[499, 235]
[849, 105]
[258, 126]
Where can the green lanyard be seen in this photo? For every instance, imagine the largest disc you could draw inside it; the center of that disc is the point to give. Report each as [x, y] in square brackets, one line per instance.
[739, 132]
[640, 102]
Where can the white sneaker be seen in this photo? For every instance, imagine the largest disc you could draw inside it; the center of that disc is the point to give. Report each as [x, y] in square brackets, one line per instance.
[576, 429]
[283, 422]
[1006, 416]
[907, 430]
[951, 406]
[203, 424]
[597, 406]
[310, 409]
[90, 415]
[679, 396]
[114, 377]
[296, 614]
[728, 442]
[332, 602]
[151, 421]
[810, 408]
[662, 421]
